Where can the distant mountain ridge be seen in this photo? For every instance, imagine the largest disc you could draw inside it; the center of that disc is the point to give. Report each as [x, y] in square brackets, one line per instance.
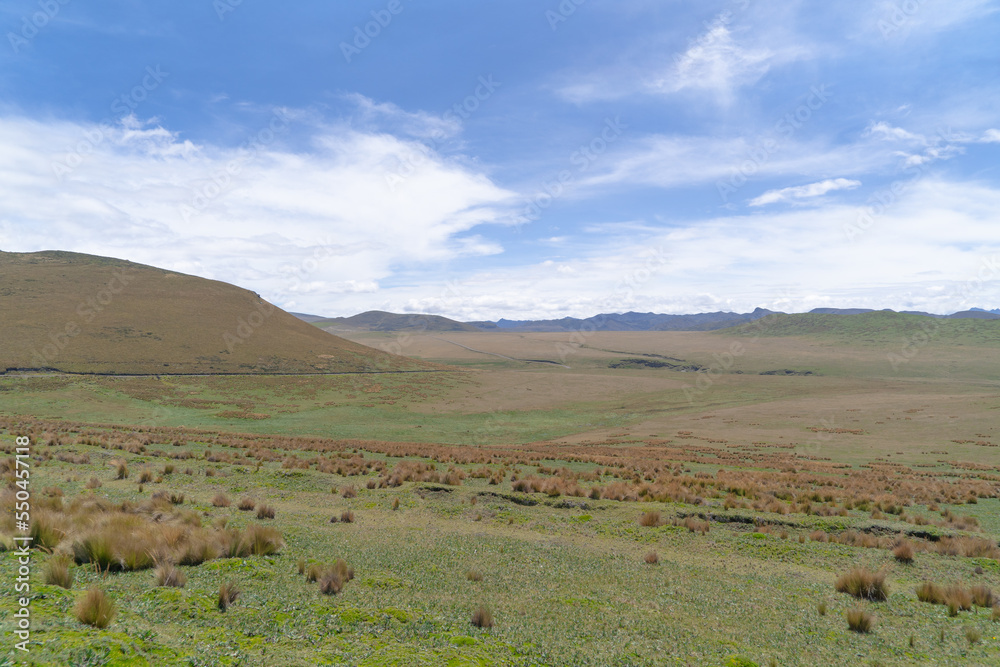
[630, 321]
[378, 320]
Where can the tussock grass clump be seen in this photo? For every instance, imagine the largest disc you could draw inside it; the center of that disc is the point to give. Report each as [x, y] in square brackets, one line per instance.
[482, 617]
[903, 553]
[930, 593]
[220, 500]
[94, 483]
[349, 492]
[331, 578]
[57, 572]
[95, 609]
[228, 593]
[121, 470]
[973, 635]
[982, 596]
[859, 620]
[474, 575]
[246, 505]
[47, 529]
[995, 617]
[649, 519]
[821, 609]
[696, 525]
[651, 558]
[395, 504]
[145, 476]
[265, 512]
[347, 516]
[169, 575]
[958, 597]
[263, 540]
[863, 584]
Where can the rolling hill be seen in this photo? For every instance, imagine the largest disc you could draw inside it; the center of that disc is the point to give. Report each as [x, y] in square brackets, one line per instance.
[377, 320]
[875, 327]
[86, 314]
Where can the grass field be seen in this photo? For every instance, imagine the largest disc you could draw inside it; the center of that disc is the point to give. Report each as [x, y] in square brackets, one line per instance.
[533, 489]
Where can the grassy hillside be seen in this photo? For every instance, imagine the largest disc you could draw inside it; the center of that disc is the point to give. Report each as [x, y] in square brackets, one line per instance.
[877, 327]
[85, 314]
[377, 320]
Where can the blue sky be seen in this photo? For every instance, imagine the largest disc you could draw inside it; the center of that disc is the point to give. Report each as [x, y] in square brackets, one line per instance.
[515, 159]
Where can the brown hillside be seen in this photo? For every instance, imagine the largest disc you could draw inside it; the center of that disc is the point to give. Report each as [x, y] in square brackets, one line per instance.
[86, 314]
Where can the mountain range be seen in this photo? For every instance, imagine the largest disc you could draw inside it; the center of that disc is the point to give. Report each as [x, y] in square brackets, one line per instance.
[630, 321]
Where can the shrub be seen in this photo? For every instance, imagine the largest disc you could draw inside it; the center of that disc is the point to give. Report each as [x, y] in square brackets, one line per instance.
[246, 505]
[168, 575]
[57, 572]
[95, 609]
[265, 512]
[220, 500]
[347, 516]
[651, 558]
[649, 519]
[228, 592]
[863, 584]
[903, 552]
[474, 575]
[482, 617]
[859, 620]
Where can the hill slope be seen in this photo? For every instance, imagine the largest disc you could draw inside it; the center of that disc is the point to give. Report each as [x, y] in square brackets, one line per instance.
[86, 314]
[377, 320]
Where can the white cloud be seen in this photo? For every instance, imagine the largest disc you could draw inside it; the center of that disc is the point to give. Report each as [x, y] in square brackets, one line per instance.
[297, 227]
[923, 253]
[715, 62]
[991, 137]
[804, 191]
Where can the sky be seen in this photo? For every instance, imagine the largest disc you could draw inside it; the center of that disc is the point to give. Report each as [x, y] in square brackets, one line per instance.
[522, 159]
